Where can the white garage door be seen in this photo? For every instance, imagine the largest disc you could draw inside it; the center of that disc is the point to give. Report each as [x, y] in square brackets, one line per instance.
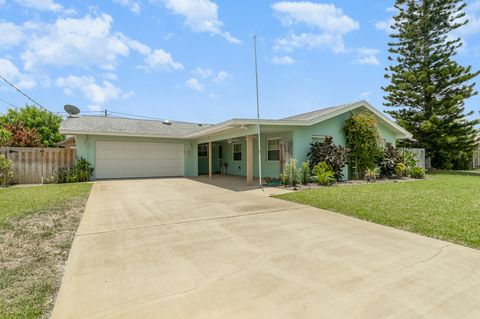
[132, 159]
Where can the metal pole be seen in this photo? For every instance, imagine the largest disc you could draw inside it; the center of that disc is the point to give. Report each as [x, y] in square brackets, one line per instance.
[258, 114]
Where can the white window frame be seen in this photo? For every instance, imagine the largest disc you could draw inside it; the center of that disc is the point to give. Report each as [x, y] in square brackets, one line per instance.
[268, 149]
[206, 151]
[318, 138]
[233, 152]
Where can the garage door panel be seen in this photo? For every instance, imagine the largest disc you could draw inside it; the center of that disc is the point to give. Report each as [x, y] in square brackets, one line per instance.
[132, 159]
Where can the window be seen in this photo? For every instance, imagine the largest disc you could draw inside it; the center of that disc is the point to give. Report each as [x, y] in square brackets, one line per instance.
[237, 152]
[318, 138]
[220, 152]
[273, 149]
[202, 150]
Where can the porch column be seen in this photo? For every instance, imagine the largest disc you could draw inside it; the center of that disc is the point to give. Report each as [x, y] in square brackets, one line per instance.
[250, 159]
[209, 160]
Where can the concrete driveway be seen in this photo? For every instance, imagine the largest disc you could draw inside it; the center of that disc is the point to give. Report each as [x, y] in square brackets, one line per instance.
[180, 248]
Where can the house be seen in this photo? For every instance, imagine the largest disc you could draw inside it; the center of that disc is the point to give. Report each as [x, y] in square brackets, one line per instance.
[124, 147]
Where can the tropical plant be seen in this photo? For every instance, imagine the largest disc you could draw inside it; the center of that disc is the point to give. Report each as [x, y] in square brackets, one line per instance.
[291, 174]
[390, 157]
[400, 170]
[363, 141]
[327, 152]
[417, 172]
[45, 123]
[410, 161]
[371, 174]
[21, 136]
[305, 173]
[428, 87]
[81, 172]
[5, 136]
[324, 173]
[6, 172]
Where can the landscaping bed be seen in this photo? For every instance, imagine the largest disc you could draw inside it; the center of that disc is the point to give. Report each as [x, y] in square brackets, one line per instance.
[443, 206]
[37, 227]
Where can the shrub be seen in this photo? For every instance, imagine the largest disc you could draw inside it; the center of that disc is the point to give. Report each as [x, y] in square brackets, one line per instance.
[400, 170]
[333, 155]
[390, 157]
[6, 172]
[371, 174]
[417, 172]
[305, 173]
[409, 161]
[324, 174]
[291, 174]
[81, 172]
[363, 141]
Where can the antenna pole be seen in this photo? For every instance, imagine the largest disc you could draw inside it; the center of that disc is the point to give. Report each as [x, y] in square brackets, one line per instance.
[258, 113]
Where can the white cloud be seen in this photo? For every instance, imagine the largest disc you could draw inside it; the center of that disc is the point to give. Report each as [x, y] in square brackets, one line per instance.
[86, 42]
[283, 60]
[328, 21]
[13, 74]
[159, 59]
[97, 94]
[132, 5]
[367, 56]
[309, 41]
[365, 95]
[200, 16]
[325, 17]
[385, 25]
[11, 34]
[203, 73]
[193, 84]
[221, 77]
[41, 5]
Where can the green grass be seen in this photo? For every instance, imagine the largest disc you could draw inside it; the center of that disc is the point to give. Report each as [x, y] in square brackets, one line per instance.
[37, 226]
[445, 206]
[20, 201]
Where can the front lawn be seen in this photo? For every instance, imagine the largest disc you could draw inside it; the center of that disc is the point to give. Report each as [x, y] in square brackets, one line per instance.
[37, 226]
[445, 206]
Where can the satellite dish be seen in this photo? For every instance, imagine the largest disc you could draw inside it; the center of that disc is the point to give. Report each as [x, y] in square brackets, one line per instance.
[71, 109]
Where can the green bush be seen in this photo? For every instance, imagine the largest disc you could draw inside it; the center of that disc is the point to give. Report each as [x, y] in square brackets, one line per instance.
[371, 174]
[327, 152]
[324, 174]
[417, 172]
[291, 175]
[409, 161]
[6, 171]
[305, 173]
[400, 170]
[81, 172]
[388, 160]
[363, 141]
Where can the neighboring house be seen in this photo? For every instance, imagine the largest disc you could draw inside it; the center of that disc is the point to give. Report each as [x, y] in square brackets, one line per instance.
[69, 142]
[121, 147]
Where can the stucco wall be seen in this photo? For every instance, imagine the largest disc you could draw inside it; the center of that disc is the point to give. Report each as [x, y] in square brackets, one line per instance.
[86, 148]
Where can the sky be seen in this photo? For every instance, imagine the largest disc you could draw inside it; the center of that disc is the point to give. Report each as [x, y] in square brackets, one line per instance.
[192, 60]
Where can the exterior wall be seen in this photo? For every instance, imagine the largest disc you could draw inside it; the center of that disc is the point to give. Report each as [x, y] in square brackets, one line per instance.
[86, 148]
[269, 168]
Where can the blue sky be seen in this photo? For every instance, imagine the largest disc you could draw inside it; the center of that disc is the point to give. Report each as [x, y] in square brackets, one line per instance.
[192, 60]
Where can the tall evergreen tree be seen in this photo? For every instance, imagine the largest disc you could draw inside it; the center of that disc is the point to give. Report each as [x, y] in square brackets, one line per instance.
[427, 86]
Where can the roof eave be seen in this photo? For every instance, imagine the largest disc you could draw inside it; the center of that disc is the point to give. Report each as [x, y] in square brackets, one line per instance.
[69, 132]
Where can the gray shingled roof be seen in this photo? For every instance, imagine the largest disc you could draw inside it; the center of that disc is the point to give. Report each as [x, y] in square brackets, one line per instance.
[127, 126]
[314, 114]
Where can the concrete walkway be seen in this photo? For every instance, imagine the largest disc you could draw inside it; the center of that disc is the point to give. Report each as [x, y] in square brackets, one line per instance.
[180, 248]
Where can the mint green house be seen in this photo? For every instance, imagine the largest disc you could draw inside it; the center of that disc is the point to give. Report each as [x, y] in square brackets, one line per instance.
[124, 148]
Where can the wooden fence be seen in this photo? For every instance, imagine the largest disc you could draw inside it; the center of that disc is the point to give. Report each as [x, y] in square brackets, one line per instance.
[419, 155]
[476, 157]
[32, 165]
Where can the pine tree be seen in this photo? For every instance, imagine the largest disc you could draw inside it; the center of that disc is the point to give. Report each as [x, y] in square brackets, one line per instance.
[427, 86]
